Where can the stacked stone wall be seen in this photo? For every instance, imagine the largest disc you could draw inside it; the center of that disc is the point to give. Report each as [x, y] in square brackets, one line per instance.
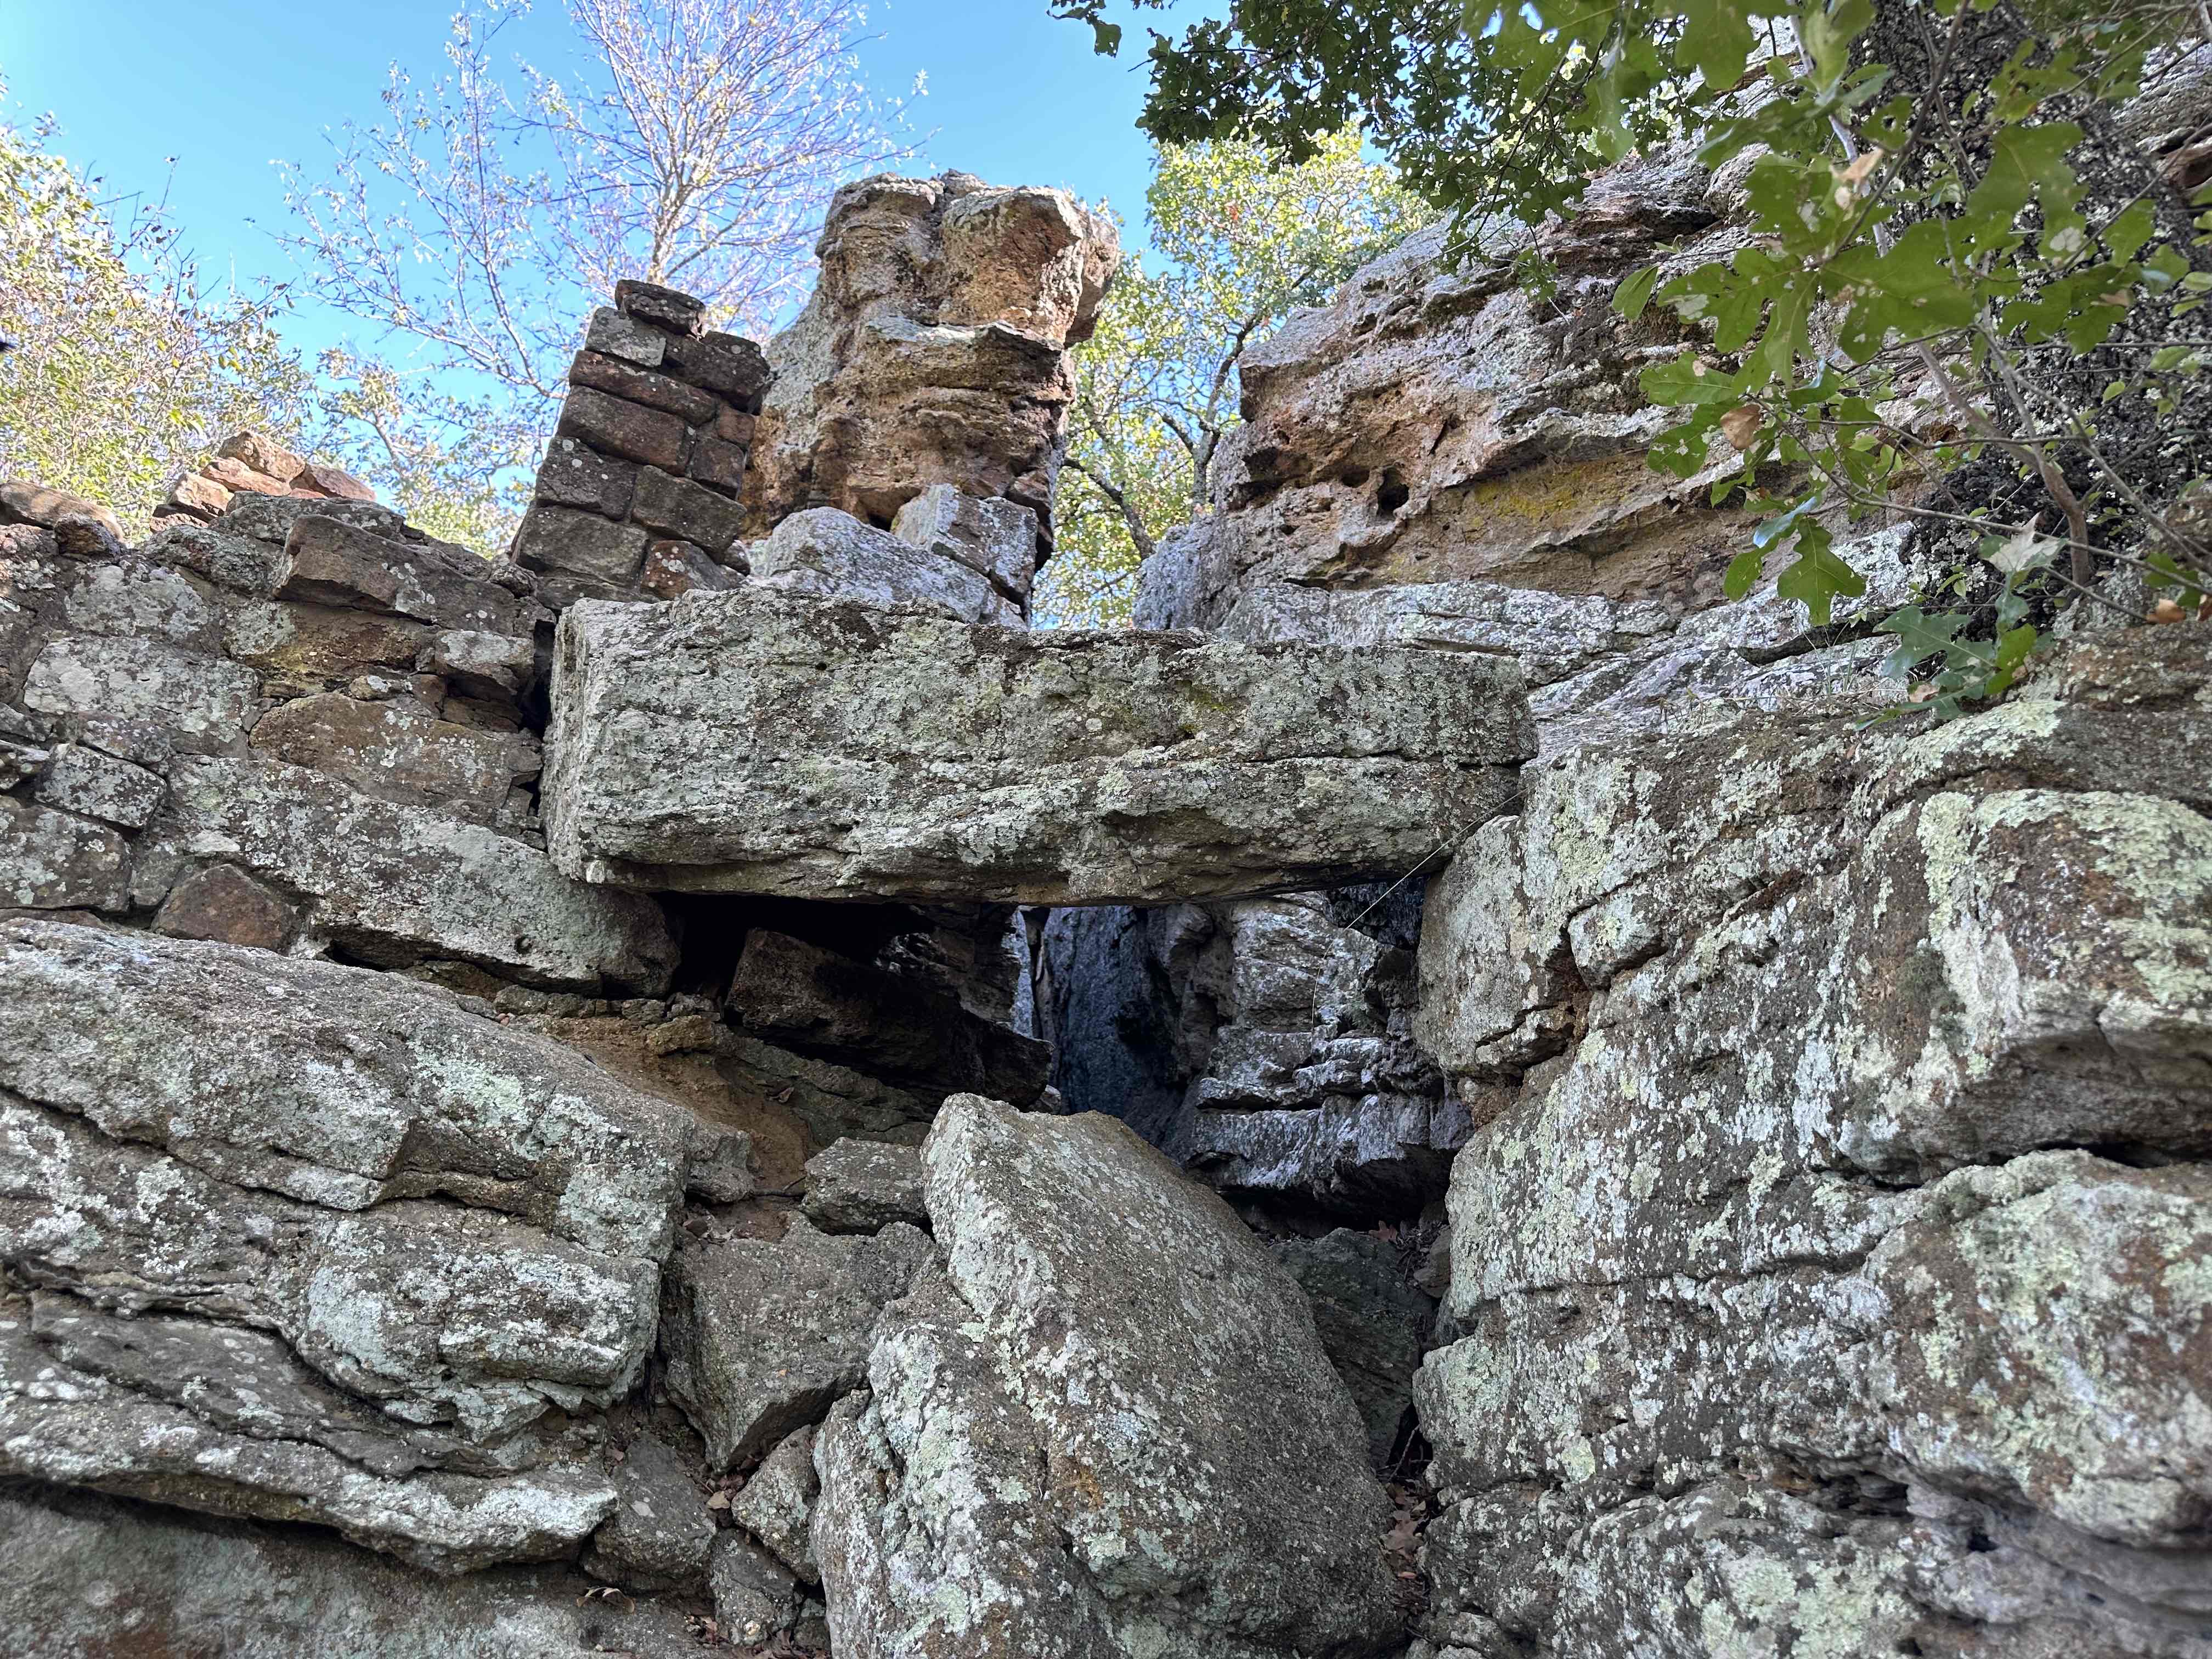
[637, 493]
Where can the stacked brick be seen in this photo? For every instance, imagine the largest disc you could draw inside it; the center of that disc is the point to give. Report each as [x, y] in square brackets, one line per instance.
[251, 464]
[637, 496]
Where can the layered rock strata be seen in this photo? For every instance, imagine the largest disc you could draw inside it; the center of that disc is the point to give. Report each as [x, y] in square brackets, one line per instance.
[265, 1221]
[741, 743]
[1842, 1221]
[301, 726]
[636, 495]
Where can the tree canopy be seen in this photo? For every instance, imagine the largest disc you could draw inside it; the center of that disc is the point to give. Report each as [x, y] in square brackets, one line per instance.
[127, 367]
[1239, 241]
[474, 226]
[1944, 204]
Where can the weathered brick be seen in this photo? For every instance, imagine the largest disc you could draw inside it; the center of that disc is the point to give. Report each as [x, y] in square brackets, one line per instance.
[614, 426]
[723, 363]
[610, 331]
[641, 386]
[685, 510]
[665, 308]
[573, 474]
[717, 465]
[580, 543]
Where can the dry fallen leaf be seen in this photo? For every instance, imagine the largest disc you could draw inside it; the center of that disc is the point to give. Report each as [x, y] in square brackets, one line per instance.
[720, 1500]
[2165, 610]
[1741, 424]
[2023, 550]
[1869, 160]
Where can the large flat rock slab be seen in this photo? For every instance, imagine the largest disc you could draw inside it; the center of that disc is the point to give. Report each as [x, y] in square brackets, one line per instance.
[757, 743]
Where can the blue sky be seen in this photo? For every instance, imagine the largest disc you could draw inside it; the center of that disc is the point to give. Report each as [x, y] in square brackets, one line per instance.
[227, 87]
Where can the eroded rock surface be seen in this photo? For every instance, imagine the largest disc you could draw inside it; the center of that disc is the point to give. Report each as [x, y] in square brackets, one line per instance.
[275, 1215]
[90, 1575]
[1803, 1030]
[312, 699]
[934, 349]
[1106, 1427]
[742, 743]
[1433, 424]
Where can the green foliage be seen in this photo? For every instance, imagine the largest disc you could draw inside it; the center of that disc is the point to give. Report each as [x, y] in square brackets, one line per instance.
[455, 466]
[1241, 239]
[127, 368]
[1947, 234]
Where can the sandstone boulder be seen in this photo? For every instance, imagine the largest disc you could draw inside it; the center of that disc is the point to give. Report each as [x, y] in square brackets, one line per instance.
[777, 1504]
[761, 1337]
[832, 555]
[1374, 1325]
[995, 537]
[745, 743]
[1106, 1428]
[934, 349]
[1436, 423]
[860, 1186]
[661, 1533]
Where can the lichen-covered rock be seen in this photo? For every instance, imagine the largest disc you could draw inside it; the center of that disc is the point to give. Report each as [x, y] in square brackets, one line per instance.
[934, 349]
[392, 883]
[746, 742]
[832, 555]
[91, 1575]
[859, 1186]
[312, 1243]
[1108, 1428]
[661, 1533]
[63, 1425]
[761, 1337]
[777, 1504]
[330, 1085]
[1780, 1263]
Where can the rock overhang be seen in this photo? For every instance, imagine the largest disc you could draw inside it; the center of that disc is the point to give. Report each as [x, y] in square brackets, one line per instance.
[770, 744]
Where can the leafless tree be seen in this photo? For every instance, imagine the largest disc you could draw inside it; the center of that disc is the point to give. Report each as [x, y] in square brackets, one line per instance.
[695, 144]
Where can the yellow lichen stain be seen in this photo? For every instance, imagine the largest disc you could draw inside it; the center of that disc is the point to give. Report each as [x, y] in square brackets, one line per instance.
[1558, 496]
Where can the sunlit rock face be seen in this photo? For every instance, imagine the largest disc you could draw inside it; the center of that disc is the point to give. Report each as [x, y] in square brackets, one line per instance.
[761, 743]
[934, 350]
